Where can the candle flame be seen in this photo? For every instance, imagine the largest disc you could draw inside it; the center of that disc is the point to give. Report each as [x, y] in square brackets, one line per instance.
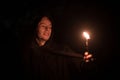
[86, 35]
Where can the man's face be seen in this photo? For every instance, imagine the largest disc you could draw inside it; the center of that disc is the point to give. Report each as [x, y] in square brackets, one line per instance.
[44, 29]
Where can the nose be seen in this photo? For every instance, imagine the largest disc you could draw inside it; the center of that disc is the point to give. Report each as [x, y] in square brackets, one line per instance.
[47, 28]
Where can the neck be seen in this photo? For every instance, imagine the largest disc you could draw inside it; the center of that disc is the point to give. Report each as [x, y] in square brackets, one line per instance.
[40, 42]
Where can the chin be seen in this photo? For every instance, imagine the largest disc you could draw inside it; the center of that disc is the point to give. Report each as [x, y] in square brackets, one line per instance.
[46, 39]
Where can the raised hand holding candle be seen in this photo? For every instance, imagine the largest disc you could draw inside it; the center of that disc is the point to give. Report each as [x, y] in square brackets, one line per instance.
[87, 56]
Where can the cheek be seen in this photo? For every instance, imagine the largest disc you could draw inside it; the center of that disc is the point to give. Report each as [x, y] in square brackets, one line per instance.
[39, 33]
[50, 31]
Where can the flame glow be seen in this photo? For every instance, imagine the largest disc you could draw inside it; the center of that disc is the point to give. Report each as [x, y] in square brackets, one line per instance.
[86, 35]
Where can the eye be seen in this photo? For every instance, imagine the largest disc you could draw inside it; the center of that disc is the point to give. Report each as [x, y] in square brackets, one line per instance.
[42, 26]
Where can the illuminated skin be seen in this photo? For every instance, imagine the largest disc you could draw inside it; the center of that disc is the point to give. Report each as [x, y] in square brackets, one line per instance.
[44, 30]
[87, 56]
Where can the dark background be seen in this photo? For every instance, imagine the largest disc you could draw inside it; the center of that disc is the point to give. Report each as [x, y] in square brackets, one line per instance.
[102, 15]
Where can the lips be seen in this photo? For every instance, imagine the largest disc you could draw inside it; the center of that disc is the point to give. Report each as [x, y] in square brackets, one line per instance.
[46, 34]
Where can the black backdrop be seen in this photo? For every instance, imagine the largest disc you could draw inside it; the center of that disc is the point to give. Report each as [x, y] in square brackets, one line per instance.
[104, 15]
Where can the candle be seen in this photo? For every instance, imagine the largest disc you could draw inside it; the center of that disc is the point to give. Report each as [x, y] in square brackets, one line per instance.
[87, 56]
[86, 35]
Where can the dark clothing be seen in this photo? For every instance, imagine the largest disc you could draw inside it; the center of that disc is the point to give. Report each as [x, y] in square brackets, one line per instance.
[52, 63]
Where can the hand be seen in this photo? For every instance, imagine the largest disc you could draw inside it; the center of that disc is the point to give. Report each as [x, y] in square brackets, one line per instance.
[87, 57]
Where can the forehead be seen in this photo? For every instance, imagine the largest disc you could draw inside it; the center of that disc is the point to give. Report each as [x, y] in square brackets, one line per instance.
[45, 20]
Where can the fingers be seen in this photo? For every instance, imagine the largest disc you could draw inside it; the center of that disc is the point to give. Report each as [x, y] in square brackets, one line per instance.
[87, 56]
